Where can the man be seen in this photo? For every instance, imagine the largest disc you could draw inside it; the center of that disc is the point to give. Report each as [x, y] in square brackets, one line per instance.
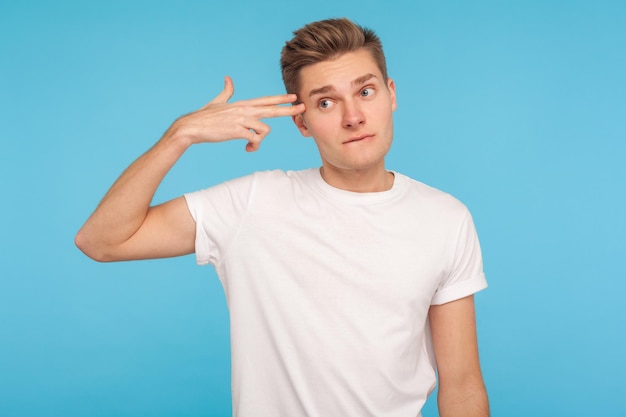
[344, 282]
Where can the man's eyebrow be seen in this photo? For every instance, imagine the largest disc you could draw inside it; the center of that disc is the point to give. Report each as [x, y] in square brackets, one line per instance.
[321, 90]
[329, 88]
[363, 79]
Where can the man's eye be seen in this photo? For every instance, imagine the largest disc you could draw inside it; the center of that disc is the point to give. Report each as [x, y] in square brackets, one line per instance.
[366, 92]
[325, 104]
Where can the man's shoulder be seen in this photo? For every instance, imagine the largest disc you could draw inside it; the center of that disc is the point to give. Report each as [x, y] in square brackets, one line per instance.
[429, 196]
[274, 174]
[265, 176]
[277, 177]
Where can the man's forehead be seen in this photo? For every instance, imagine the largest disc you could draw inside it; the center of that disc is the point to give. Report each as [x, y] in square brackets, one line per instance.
[352, 68]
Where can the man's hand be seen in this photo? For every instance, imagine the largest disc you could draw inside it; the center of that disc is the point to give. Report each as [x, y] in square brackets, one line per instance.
[220, 121]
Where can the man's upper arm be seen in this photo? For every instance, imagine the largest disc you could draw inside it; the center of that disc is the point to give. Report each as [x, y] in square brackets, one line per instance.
[461, 387]
[168, 230]
[453, 327]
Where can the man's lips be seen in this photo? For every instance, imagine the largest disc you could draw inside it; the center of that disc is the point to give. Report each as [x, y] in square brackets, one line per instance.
[357, 139]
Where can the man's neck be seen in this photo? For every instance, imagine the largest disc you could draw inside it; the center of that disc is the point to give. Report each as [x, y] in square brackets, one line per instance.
[358, 181]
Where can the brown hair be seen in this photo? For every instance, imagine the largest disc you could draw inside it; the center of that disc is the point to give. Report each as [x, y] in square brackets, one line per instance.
[326, 40]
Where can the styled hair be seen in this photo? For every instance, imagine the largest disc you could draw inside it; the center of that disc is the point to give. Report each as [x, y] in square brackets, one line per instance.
[326, 40]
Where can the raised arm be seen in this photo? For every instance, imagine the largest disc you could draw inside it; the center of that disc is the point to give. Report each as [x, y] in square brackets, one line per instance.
[125, 227]
[461, 387]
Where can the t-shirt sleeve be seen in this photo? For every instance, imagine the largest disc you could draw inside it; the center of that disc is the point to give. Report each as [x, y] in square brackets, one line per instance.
[465, 275]
[218, 212]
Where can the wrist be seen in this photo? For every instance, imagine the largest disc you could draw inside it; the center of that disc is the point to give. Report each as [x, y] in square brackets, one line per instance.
[178, 136]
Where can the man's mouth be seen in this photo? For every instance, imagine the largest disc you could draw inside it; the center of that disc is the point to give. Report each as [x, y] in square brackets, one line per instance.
[357, 139]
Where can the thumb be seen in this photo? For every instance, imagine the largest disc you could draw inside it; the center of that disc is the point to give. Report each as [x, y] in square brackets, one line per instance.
[226, 94]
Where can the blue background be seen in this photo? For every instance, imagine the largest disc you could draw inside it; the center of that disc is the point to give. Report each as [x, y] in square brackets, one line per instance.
[516, 108]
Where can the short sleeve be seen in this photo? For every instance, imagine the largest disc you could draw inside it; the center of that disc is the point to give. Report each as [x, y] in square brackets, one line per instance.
[218, 212]
[465, 275]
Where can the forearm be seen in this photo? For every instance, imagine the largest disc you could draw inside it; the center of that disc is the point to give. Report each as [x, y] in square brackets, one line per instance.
[125, 206]
[463, 400]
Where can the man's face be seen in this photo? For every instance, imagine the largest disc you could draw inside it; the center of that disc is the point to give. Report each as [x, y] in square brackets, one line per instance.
[348, 111]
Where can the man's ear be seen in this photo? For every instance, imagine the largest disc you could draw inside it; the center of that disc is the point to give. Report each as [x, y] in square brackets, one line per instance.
[298, 119]
[392, 91]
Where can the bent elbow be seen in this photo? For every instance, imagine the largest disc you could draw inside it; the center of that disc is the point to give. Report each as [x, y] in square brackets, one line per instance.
[89, 248]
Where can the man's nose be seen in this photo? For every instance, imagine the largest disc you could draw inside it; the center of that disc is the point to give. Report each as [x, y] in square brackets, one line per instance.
[352, 115]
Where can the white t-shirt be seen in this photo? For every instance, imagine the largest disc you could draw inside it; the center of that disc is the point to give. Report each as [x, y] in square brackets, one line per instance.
[329, 290]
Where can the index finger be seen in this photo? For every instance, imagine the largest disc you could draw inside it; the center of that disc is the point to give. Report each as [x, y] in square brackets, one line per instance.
[270, 100]
[265, 112]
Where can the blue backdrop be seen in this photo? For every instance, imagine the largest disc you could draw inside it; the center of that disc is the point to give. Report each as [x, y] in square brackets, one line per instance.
[516, 108]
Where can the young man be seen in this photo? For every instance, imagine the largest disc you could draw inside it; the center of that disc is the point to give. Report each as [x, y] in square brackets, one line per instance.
[344, 282]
